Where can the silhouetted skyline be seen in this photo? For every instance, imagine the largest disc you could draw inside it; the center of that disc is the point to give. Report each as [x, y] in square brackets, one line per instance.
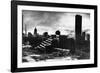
[49, 22]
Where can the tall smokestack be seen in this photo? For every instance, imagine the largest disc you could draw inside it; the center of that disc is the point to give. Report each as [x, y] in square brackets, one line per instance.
[78, 26]
[25, 29]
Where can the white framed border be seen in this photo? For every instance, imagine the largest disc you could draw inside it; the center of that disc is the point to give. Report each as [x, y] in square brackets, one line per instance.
[58, 63]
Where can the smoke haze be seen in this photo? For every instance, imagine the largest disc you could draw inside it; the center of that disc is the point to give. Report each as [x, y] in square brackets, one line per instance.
[46, 21]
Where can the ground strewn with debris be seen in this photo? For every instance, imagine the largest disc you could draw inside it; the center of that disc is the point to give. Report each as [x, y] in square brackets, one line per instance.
[34, 55]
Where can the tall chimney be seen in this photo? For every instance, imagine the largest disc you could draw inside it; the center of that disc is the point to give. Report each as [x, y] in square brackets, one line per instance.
[25, 29]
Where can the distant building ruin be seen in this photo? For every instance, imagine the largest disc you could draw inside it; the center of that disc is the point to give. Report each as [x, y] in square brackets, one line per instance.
[78, 27]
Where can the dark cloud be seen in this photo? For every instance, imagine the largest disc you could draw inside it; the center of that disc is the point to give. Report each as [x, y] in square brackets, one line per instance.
[40, 18]
[47, 21]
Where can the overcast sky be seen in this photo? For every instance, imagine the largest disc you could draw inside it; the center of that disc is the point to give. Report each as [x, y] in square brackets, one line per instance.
[51, 21]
